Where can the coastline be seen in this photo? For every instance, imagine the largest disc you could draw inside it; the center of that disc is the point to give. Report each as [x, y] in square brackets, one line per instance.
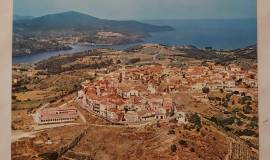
[78, 48]
[27, 54]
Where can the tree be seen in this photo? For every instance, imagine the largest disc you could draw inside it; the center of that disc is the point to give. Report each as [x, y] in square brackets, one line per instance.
[236, 92]
[218, 99]
[118, 61]
[254, 123]
[182, 142]
[171, 131]
[173, 148]
[205, 90]
[228, 96]
[239, 80]
[247, 109]
[158, 124]
[225, 104]
[134, 60]
[196, 120]
[235, 110]
[221, 91]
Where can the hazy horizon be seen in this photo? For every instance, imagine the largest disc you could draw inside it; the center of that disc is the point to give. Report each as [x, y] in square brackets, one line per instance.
[179, 19]
[157, 19]
[142, 10]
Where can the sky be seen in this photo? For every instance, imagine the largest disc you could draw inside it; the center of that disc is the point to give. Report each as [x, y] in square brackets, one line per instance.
[141, 9]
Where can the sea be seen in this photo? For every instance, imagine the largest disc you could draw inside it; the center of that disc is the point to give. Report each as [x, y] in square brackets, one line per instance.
[215, 33]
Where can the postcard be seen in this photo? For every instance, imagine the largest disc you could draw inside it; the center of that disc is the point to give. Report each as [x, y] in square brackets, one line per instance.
[124, 79]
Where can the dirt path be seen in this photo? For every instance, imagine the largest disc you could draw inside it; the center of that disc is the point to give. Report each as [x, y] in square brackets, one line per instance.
[82, 117]
[18, 134]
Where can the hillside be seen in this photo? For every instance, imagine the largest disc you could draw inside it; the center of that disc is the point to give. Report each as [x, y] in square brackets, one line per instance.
[75, 21]
[54, 32]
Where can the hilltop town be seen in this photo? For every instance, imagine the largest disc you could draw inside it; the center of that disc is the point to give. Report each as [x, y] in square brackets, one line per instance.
[147, 102]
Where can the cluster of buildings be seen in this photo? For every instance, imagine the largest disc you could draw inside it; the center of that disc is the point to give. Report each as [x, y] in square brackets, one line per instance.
[142, 94]
[219, 77]
[129, 95]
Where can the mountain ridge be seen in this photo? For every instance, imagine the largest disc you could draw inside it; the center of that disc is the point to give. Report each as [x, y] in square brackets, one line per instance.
[76, 21]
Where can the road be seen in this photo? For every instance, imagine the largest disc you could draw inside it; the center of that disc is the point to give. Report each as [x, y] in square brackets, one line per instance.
[18, 134]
